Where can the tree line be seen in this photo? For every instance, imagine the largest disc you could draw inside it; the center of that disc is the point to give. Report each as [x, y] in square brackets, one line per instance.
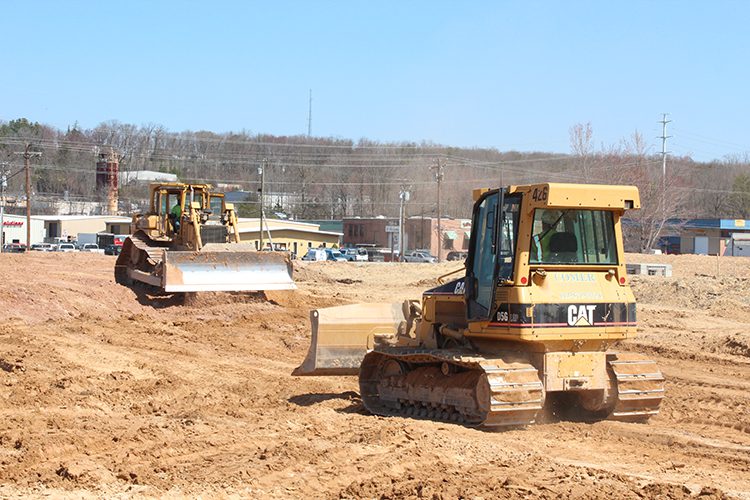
[331, 178]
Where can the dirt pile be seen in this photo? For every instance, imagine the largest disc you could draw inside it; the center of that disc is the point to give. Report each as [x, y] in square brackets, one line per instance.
[106, 392]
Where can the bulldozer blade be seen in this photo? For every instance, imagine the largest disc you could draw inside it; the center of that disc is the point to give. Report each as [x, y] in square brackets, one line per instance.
[226, 271]
[342, 335]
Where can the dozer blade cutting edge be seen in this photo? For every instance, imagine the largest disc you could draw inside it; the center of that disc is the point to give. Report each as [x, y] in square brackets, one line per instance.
[226, 271]
[342, 335]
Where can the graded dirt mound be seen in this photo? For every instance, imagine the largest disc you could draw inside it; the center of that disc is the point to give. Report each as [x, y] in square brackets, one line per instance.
[108, 391]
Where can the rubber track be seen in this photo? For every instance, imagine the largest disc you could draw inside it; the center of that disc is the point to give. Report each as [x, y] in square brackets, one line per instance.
[134, 244]
[156, 254]
[515, 393]
[640, 387]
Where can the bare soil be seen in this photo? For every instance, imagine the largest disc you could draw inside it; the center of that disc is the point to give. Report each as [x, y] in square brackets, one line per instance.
[105, 392]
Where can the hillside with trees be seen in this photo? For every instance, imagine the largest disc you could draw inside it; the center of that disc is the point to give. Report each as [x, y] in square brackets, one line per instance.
[330, 178]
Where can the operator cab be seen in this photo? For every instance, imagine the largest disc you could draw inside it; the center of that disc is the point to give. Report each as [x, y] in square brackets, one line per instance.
[506, 247]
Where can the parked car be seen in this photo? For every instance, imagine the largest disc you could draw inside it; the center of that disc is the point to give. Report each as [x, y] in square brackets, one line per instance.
[354, 254]
[66, 247]
[315, 254]
[42, 247]
[334, 255]
[14, 248]
[112, 250]
[374, 254]
[90, 247]
[419, 257]
[457, 255]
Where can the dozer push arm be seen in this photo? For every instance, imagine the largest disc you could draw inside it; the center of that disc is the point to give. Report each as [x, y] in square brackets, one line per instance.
[232, 218]
[196, 223]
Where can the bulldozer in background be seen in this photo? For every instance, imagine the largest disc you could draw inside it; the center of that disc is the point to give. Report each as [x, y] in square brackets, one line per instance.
[189, 241]
[529, 327]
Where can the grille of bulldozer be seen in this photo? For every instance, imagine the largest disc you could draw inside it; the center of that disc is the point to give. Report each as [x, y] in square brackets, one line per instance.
[214, 234]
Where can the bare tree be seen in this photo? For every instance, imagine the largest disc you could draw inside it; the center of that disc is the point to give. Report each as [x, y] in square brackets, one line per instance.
[580, 145]
[659, 208]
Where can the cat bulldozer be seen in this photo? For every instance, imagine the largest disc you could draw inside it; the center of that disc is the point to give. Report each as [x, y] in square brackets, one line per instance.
[189, 242]
[524, 333]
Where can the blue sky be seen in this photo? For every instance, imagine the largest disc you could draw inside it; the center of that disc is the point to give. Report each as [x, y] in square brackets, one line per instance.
[508, 75]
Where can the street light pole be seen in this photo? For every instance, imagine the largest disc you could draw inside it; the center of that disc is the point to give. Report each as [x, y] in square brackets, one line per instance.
[261, 171]
[403, 197]
[3, 185]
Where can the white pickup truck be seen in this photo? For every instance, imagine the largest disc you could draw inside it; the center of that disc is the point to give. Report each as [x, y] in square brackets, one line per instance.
[92, 248]
[419, 257]
[65, 247]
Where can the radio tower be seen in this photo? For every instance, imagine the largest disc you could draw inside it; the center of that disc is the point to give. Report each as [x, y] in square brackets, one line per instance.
[309, 116]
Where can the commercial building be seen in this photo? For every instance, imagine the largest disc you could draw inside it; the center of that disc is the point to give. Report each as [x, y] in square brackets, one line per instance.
[712, 236]
[14, 229]
[293, 236]
[336, 226]
[68, 227]
[419, 233]
[128, 177]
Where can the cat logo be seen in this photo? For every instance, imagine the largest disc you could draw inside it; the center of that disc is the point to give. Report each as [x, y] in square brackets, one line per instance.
[581, 315]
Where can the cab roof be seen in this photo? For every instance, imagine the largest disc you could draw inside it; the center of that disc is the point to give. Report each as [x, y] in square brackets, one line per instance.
[561, 195]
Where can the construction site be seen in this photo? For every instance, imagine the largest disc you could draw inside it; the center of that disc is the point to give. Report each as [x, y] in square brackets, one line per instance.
[373, 250]
[107, 392]
[534, 355]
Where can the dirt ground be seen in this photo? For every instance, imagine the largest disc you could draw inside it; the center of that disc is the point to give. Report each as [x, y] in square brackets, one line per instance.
[105, 393]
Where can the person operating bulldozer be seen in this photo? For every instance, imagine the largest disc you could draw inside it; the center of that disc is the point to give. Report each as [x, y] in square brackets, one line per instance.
[174, 216]
[540, 242]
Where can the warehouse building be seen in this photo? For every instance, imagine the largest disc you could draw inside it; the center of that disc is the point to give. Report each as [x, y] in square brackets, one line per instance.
[68, 227]
[295, 237]
[14, 229]
[713, 236]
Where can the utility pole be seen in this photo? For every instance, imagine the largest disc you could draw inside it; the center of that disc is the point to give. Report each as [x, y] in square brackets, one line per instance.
[3, 187]
[309, 115]
[27, 155]
[438, 168]
[664, 153]
[403, 198]
[261, 171]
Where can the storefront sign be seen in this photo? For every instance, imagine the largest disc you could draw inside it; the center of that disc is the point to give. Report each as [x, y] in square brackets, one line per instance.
[12, 223]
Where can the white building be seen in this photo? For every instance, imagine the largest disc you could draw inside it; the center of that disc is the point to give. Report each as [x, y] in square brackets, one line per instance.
[145, 176]
[14, 229]
[68, 227]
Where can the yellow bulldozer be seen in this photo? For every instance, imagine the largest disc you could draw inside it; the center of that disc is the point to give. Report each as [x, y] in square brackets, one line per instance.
[526, 331]
[189, 241]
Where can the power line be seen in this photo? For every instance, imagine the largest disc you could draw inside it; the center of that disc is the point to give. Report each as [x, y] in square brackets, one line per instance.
[163, 153]
[709, 140]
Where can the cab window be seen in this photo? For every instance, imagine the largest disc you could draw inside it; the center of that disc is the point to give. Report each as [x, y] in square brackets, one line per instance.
[216, 206]
[163, 202]
[509, 228]
[579, 237]
[486, 256]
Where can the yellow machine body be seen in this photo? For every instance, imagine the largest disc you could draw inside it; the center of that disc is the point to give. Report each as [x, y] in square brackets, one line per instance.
[189, 241]
[543, 298]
